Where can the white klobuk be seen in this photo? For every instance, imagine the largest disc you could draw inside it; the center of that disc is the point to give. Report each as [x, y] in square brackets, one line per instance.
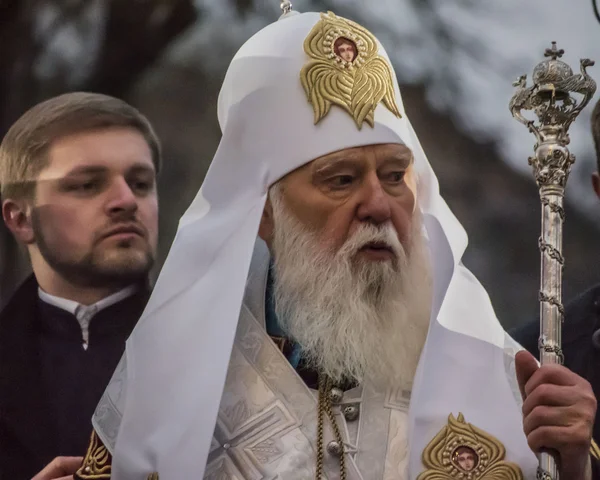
[202, 391]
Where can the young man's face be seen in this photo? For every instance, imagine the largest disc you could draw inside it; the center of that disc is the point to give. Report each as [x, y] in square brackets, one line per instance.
[95, 212]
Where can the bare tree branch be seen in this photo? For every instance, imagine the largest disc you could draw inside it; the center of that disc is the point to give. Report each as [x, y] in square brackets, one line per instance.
[136, 35]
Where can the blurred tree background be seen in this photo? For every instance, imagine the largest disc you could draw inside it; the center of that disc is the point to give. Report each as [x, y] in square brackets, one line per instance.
[168, 58]
[49, 48]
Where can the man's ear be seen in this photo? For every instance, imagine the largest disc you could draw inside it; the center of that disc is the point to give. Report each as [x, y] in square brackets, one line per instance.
[18, 220]
[596, 183]
[267, 225]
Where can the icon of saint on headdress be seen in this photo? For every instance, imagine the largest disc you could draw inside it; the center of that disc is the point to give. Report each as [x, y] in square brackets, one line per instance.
[346, 69]
[465, 458]
[462, 451]
[345, 49]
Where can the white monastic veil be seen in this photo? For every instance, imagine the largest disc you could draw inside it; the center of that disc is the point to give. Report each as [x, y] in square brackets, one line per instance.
[159, 411]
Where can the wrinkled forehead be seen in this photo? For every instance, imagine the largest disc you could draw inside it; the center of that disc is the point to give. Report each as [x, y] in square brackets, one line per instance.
[379, 152]
[378, 155]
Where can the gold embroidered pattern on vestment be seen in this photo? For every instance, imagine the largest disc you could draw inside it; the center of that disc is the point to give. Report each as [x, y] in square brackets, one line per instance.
[595, 450]
[96, 464]
[346, 70]
[463, 451]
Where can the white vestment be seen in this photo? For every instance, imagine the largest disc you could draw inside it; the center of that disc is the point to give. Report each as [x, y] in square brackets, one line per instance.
[159, 411]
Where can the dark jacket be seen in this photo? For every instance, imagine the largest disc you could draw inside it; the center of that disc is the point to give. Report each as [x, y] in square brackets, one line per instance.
[580, 343]
[49, 389]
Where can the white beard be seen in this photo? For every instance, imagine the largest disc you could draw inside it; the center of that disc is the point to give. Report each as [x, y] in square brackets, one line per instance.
[352, 318]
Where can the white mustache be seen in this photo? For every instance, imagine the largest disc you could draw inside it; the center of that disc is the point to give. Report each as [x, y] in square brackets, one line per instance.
[368, 233]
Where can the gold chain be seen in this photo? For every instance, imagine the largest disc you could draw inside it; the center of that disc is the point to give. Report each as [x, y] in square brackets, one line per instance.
[324, 408]
[321, 411]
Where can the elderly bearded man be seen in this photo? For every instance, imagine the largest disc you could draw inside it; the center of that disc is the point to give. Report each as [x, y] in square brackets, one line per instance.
[306, 358]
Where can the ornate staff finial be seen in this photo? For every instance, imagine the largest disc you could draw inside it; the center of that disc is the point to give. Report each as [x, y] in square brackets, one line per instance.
[553, 52]
[286, 7]
[556, 98]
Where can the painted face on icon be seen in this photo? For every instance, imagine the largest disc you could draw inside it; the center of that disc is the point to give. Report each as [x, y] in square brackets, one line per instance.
[345, 49]
[465, 458]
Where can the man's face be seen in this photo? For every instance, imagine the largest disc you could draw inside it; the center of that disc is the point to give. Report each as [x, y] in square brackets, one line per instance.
[337, 194]
[95, 214]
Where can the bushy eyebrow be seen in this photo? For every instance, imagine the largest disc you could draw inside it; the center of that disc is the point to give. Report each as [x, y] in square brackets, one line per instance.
[100, 169]
[352, 159]
[403, 161]
[86, 170]
[336, 164]
[403, 156]
[141, 168]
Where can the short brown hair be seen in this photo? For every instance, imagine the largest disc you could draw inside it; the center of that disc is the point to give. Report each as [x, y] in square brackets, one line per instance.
[24, 148]
[596, 132]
